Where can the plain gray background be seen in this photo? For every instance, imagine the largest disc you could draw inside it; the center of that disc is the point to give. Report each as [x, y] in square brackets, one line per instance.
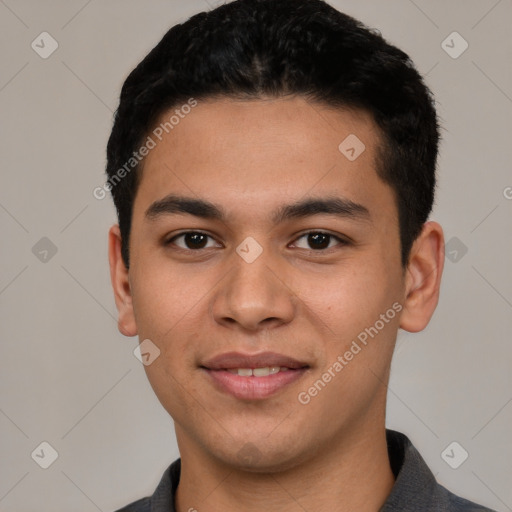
[70, 379]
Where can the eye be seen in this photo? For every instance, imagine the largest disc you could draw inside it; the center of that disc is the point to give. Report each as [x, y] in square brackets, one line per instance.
[193, 240]
[318, 240]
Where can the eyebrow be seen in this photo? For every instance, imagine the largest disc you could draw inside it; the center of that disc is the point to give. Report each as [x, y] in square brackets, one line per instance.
[342, 207]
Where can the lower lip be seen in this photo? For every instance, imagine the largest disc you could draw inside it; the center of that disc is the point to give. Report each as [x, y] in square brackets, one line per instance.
[253, 388]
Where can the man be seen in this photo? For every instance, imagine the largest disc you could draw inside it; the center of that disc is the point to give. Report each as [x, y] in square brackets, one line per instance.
[273, 168]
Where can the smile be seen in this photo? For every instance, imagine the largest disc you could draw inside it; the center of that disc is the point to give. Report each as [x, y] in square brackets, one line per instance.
[253, 377]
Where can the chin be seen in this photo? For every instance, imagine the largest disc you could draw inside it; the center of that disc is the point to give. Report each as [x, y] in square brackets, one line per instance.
[254, 457]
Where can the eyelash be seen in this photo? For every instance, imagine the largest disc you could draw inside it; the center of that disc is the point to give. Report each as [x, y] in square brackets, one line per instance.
[341, 241]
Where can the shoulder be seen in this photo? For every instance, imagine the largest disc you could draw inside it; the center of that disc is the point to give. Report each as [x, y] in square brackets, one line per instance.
[455, 503]
[415, 486]
[142, 505]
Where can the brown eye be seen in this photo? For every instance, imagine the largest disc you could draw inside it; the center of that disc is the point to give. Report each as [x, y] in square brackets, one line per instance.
[192, 240]
[318, 240]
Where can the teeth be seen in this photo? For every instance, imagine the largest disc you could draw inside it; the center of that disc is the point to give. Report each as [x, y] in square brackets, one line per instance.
[261, 372]
[258, 372]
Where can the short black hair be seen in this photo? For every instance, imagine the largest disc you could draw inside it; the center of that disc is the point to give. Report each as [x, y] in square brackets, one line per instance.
[254, 49]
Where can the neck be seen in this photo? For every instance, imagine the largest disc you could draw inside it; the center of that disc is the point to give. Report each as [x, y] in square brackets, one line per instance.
[353, 473]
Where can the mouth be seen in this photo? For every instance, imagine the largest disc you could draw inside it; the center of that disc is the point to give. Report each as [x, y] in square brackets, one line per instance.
[253, 377]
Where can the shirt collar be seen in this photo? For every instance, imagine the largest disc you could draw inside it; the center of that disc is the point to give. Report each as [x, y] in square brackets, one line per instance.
[414, 482]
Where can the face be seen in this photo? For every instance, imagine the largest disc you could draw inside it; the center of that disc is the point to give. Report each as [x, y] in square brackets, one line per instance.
[258, 243]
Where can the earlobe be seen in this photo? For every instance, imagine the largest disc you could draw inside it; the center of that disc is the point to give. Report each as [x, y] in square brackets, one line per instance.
[119, 278]
[423, 279]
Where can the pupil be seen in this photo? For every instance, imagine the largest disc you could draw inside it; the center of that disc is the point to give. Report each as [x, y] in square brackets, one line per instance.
[318, 240]
[195, 240]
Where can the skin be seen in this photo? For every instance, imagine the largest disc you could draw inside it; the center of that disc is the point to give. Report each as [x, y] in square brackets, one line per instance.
[250, 158]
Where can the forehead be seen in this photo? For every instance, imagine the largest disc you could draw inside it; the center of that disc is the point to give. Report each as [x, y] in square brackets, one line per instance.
[263, 151]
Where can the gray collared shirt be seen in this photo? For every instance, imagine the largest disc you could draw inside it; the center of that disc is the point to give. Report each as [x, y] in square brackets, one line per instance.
[415, 488]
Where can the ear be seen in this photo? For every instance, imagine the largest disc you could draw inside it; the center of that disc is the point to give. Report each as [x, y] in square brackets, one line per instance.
[121, 284]
[423, 279]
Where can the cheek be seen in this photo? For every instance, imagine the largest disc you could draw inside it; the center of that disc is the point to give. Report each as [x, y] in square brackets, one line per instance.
[164, 299]
[175, 392]
[169, 307]
[362, 316]
[351, 299]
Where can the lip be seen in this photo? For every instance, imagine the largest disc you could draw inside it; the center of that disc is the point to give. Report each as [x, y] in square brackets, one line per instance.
[231, 360]
[252, 388]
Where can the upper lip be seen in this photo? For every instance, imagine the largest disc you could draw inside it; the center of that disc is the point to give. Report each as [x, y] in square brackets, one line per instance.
[231, 360]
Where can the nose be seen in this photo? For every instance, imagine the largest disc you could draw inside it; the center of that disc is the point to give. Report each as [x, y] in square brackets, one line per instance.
[254, 296]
